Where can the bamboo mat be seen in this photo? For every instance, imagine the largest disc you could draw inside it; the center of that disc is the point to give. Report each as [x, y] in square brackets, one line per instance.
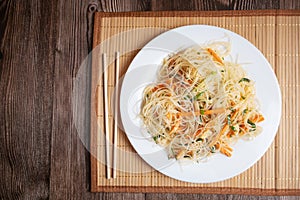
[275, 33]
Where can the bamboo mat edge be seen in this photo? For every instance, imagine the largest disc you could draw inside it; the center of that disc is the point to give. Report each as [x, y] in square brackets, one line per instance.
[197, 190]
[208, 190]
[223, 13]
[93, 160]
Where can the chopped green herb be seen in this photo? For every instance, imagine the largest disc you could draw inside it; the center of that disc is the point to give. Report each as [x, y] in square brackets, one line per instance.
[245, 111]
[186, 156]
[200, 118]
[233, 128]
[198, 95]
[202, 112]
[244, 79]
[213, 149]
[222, 70]
[228, 119]
[156, 137]
[243, 97]
[251, 123]
[232, 109]
[199, 140]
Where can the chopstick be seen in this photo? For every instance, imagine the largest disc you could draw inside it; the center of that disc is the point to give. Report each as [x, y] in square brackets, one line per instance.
[106, 117]
[115, 139]
[106, 120]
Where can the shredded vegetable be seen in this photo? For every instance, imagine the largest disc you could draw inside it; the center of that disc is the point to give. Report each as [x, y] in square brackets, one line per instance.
[201, 104]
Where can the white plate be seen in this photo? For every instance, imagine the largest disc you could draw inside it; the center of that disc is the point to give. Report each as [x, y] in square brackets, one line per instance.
[142, 71]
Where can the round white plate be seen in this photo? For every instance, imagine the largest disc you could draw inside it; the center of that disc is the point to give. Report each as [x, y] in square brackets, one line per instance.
[142, 71]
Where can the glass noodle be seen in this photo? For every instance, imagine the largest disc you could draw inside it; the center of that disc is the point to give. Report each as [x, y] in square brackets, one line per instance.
[201, 104]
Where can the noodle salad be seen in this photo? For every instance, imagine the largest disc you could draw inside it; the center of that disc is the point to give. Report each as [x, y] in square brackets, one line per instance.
[201, 104]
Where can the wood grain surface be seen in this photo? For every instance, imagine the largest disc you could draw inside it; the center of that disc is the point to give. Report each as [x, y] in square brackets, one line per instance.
[42, 44]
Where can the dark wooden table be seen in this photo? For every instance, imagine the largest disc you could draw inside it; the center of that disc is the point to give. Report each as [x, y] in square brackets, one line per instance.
[42, 45]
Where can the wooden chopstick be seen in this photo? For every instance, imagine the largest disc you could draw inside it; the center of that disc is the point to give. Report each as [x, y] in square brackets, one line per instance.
[106, 119]
[115, 139]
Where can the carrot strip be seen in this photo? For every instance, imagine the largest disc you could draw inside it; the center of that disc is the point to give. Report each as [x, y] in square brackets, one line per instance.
[180, 154]
[228, 148]
[158, 87]
[225, 151]
[198, 133]
[217, 145]
[224, 129]
[234, 115]
[257, 118]
[215, 56]
[215, 111]
[230, 134]
[174, 128]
